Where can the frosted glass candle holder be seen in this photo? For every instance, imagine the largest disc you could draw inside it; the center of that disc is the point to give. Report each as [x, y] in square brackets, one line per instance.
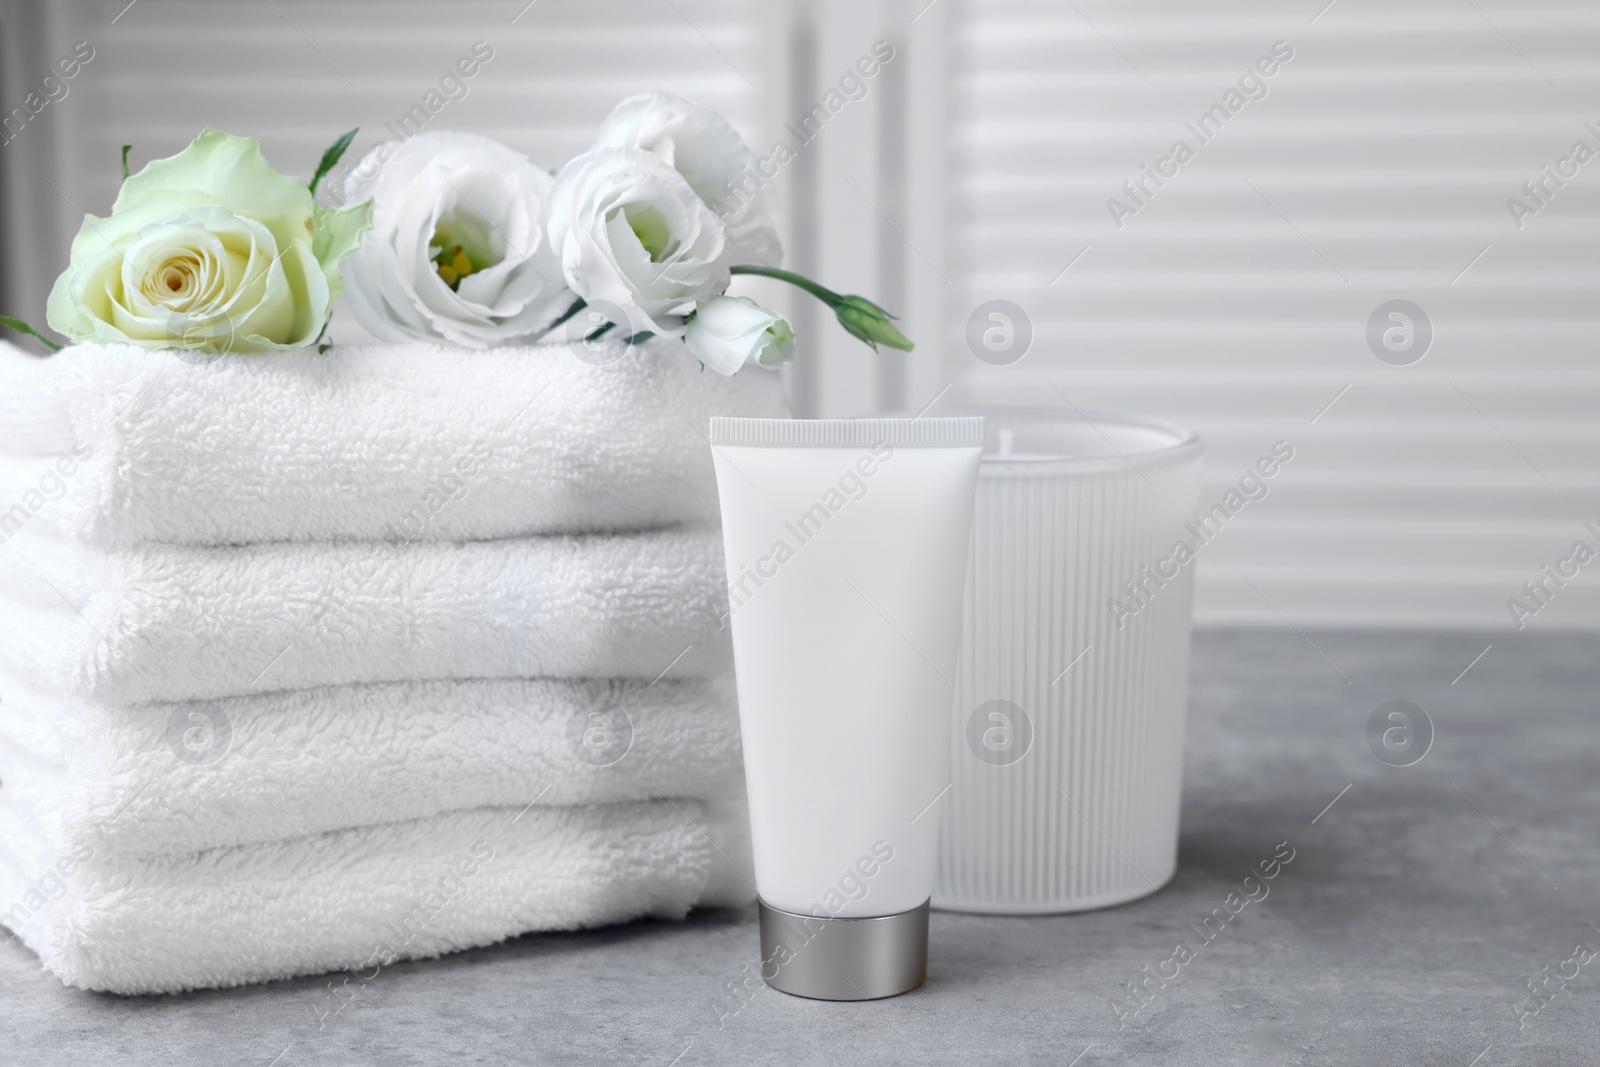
[1072, 685]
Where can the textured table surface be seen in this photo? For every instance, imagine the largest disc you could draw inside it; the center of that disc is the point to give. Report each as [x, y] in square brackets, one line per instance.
[1406, 930]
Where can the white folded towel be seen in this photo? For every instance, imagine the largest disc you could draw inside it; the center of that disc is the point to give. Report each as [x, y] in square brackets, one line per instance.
[163, 622]
[381, 442]
[355, 900]
[183, 777]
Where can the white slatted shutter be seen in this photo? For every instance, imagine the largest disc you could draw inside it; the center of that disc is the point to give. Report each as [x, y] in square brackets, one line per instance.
[1377, 167]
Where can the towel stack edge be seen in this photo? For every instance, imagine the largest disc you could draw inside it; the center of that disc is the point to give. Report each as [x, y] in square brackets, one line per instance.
[274, 627]
[374, 443]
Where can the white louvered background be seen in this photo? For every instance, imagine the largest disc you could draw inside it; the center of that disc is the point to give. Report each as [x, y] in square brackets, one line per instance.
[1391, 143]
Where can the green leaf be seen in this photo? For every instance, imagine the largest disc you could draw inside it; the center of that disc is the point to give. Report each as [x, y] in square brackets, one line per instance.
[22, 327]
[125, 150]
[330, 158]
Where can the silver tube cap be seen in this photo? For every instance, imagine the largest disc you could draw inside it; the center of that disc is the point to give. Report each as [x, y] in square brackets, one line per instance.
[844, 958]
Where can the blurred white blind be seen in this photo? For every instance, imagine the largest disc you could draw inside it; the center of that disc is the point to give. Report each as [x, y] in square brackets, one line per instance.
[1374, 165]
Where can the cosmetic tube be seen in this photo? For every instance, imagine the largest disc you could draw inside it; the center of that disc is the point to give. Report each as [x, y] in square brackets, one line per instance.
[846, 544]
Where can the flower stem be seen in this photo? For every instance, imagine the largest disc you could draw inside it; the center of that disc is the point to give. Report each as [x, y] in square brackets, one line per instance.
[578, 306]
[827, 296]
[860, 317]
[22, 327]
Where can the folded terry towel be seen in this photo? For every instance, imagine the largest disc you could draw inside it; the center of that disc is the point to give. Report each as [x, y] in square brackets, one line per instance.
[163, 622]
[358, 899]
[183, 777]
[382, 442]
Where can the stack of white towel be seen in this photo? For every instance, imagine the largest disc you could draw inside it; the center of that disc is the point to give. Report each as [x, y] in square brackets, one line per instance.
[313, 662]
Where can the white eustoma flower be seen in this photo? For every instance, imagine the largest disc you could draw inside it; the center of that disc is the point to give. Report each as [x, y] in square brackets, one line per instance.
[457, 249]
[699, 144]
[634, 240]
[729, 331]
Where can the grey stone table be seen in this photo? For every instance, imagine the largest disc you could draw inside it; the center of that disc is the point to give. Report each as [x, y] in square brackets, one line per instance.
[1417, 909]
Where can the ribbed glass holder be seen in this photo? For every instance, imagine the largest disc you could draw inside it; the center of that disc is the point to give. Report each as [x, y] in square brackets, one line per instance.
[1072, 685]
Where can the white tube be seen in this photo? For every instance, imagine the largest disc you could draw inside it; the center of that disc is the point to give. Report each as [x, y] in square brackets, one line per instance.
[846, 545]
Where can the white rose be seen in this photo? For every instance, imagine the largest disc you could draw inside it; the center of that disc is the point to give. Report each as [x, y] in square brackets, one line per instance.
[635, 240]
[457, 249]
[212, 250]
[700, 144]
[729, 331]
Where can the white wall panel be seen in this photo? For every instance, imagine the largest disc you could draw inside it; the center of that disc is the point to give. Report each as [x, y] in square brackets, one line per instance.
[978, 165]
[1377, 166]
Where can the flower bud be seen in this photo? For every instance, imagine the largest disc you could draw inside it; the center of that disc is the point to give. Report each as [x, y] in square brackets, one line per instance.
[869, 322]
[729, 331]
